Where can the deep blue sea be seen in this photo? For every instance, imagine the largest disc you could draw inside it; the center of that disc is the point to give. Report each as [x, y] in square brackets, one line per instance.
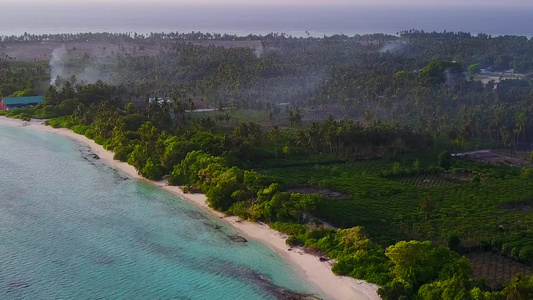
[73, 228]
[299, 20]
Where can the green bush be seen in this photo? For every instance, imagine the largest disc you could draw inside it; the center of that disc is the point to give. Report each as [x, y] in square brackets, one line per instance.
[191, 189]
[121, 154]
[24, 93]
[453, 242]
[108, 145]
[61, 122]
[47, 112]
[239, 209]
[526, 173]
[23, 116]
[288, 228]
[445, 160]
[526, 253]
[68, 106]
[100, 140]
[152, 170]
[80, 129]
[294, 241]
[90, 133]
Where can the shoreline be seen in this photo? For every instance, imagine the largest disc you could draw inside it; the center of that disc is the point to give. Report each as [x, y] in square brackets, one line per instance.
[316, 273]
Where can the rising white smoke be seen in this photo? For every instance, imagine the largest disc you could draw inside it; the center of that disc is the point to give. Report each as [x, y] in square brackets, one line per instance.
[258, 51]
[91, 75]
[95, 71]
[394, 46]
[57, 63]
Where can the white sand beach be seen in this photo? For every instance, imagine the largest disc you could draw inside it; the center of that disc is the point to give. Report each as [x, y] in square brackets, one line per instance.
[309, 267]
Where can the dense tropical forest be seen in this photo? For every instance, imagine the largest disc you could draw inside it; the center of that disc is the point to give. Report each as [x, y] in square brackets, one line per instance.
[351, 145]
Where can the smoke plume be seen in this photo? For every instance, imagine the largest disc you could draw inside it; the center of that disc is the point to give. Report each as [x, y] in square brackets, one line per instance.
[94, 73]
[258, 51]
[90, 71]
[394, 46]
[57, 63]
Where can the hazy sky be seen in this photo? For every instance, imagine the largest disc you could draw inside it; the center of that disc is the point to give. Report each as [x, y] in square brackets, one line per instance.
[264, 16]
[297, 2]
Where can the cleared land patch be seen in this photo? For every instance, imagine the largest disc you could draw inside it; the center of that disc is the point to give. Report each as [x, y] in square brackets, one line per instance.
[519, 206]
[495, 268]
[32, 51]
[492, 157]
[309, 190]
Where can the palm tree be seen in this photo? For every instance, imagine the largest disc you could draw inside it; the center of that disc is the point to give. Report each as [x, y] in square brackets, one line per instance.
[521, 121]
[178, 108]
[302, 139]
[273, 136]
[426, 207]
[515, 289]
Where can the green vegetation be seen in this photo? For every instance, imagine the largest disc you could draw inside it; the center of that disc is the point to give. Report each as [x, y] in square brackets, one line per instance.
[404, 206]
[18, 79]
[474, 69]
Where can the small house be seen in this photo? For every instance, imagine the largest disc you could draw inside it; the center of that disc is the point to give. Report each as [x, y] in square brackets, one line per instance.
[158, 100]
[510, 71]
[20, 102]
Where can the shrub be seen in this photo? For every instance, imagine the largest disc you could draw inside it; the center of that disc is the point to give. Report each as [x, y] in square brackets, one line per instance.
[191, 189]
[445, 160]
[453, 242]
[90, 133]
[152, 170]
[526, 253]
[474, 69]
[396, 168]
[25, 93]
[80, 129]
[108, 145]
[526, 173]
[416, 166]
[47, 112]
[68, 106]
[294, 241]
[288, 228]
[121, 154]
[100, 140]
[61, 122]
[239, 209]
[23, 116]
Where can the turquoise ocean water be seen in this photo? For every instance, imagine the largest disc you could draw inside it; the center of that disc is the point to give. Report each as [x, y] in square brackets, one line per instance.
[73, 228]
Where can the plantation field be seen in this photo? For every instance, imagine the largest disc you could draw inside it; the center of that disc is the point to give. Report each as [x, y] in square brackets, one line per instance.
[433, 180]
[405, 208]
[495, 268]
